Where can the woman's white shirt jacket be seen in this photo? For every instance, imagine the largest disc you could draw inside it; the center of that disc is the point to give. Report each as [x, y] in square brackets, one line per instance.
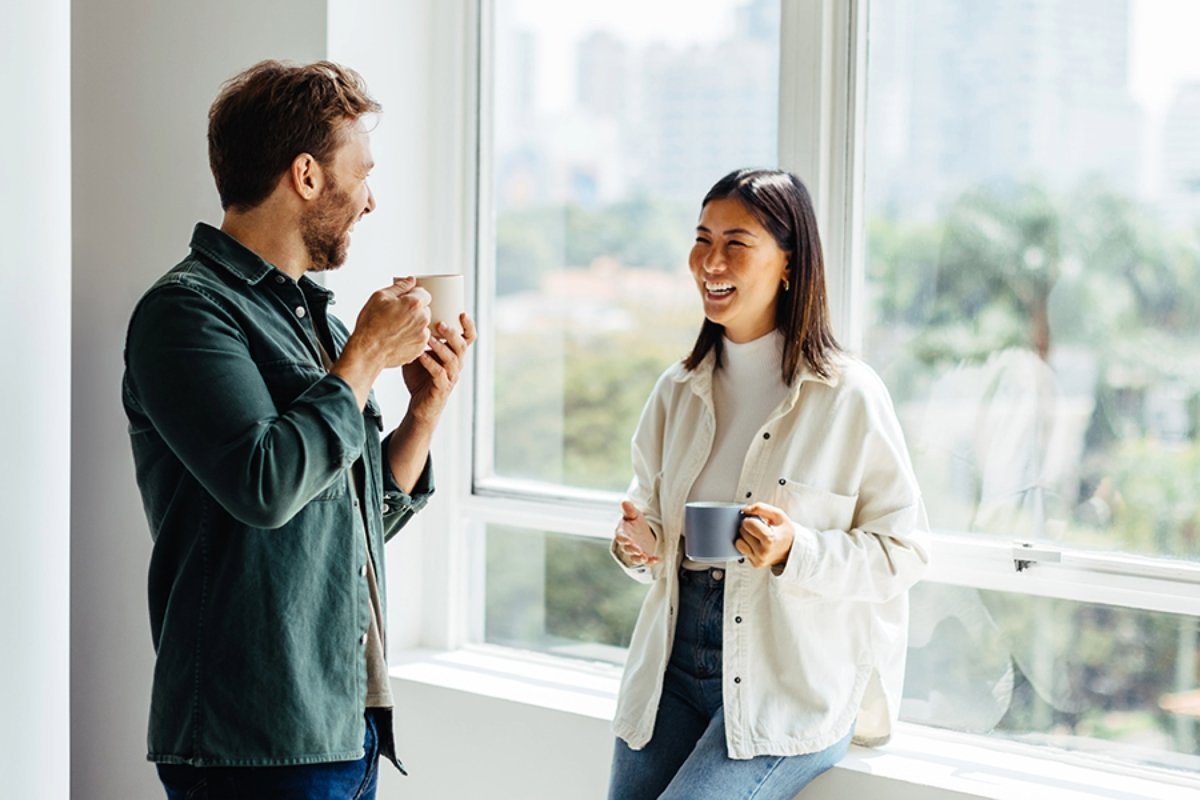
[817, 646]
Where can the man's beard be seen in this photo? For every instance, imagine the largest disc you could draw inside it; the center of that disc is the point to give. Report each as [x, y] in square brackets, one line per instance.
[324, 229]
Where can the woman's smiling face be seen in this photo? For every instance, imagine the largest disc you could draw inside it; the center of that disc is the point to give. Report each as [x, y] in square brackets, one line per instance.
[738, 267]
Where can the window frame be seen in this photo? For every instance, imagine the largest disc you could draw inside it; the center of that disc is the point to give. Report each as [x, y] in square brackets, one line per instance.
[821, 138]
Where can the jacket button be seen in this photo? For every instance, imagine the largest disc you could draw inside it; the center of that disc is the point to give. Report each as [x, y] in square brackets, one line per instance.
[355, 502]
[363, 642]
[386, 508]
[300, 312]
[748, 495]
[280, 279]
[766, 436]
[737, 680]
[362, 572]
[737, 619]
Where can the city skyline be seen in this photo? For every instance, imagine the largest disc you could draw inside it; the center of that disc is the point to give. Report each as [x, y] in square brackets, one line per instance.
[1130, 119]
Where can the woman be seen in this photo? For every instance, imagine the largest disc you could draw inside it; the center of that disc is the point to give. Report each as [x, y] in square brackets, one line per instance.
[753, 687]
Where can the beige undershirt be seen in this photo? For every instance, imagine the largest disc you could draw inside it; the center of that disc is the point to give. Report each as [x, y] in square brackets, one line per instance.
[379, 690]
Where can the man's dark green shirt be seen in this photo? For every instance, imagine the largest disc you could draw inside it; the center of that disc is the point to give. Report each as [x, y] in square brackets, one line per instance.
[244, 445]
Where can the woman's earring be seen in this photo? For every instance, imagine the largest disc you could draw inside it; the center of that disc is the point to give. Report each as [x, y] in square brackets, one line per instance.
[786, 285]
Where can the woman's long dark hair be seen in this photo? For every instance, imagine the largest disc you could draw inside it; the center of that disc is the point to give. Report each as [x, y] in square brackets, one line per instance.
[781, 204]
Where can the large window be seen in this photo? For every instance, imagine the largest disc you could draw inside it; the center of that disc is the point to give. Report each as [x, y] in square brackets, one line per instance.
[1023, 262]
[1033, 302]
[609, 123]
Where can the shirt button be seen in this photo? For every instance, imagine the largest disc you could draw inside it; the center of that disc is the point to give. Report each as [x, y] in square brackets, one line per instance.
[363, 641]
[386, 508]
[300, 312]
[735, 680]
[737, 619]
[783, 481]
[717, 574]
[748, 495]
[766, 436]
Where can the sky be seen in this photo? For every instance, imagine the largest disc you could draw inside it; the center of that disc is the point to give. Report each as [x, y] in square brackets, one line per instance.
[1162, 36]
[1163, 49]
[638, 22]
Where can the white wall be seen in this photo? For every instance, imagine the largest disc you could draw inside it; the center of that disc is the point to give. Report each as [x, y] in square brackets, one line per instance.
[35, 412]
[143, 74]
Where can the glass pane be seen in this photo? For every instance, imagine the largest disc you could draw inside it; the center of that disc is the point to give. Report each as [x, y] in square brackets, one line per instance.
[611, 120]
[556, 593]
[1080, 676]
[1033, 263]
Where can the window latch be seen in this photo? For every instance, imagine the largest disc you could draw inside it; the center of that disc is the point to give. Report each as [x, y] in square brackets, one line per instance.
[1026, 554]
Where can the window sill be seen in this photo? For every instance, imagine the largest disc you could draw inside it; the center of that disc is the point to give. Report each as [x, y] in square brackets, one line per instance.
[918, 756]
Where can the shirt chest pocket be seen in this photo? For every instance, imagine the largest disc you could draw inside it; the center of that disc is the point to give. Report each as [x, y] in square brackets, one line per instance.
[287, 379]
[815, 508]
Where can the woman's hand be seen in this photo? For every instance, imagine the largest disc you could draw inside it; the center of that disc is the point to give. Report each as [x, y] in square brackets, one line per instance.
[766, 541]
[635, 541]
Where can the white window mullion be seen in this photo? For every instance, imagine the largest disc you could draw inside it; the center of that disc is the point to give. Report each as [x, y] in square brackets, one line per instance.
[482, 464]
[821, 117]
[446, 557]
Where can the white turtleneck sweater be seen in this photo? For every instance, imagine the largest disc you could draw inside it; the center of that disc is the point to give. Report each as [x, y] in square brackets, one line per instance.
[747, 388]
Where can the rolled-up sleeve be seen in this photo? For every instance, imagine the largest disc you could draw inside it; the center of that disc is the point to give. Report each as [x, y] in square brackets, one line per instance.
[399, 506]
[647, 455]
[883, 549]
[192, 373]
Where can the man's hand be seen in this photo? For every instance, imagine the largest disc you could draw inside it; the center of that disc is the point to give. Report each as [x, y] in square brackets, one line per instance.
[767, 540]
[430, 379]
[433, 374]
[392, 330]
[635, 541]
[395, 321]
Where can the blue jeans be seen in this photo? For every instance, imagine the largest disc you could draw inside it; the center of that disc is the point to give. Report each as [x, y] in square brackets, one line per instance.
[686, 757]
[334, 780]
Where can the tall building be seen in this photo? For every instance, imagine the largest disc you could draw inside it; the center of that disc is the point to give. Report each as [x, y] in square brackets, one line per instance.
[1181, 155]
[961, 94]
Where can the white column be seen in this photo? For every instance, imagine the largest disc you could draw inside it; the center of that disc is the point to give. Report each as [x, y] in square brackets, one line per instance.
[35, 359]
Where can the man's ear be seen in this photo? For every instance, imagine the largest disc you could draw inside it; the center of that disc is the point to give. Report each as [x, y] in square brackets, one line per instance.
[306, 176]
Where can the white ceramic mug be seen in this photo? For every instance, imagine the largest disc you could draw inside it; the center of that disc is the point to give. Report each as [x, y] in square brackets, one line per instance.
[448, 302]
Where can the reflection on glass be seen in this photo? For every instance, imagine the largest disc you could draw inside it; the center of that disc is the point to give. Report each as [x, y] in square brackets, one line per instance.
[611, 121]
[1078, 676]
[1033, 274]
[1033, 259]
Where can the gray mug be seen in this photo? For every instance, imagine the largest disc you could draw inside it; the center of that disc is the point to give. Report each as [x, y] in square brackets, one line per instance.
[710, 529]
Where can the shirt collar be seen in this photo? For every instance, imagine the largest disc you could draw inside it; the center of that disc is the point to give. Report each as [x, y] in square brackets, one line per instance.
[237, 259]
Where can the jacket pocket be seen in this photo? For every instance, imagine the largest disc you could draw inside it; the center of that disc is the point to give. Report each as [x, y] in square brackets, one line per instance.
[816, 508]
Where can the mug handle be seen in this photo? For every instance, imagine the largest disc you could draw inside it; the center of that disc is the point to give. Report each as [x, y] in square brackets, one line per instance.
[744, 515]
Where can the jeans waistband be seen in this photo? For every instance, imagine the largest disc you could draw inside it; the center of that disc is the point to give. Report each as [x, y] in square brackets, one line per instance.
[710, 578]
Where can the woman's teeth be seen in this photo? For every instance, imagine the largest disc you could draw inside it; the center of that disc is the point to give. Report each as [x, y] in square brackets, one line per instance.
[718, 288]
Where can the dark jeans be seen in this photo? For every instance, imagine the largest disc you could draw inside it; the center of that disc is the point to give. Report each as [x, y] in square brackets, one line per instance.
[334, 780]
[686, 757]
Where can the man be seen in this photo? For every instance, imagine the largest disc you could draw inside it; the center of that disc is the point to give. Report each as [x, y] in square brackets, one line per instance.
[256, 440]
